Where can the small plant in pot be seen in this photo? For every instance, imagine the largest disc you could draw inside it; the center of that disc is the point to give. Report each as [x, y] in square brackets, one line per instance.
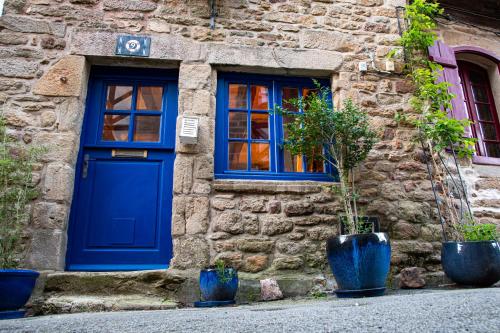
[218, 285]
[470, 253]
[16, 191]
[359, 258]
[476, 260]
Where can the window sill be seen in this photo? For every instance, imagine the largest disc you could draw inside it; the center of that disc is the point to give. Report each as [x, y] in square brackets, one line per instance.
[270, 186]
[485, 160]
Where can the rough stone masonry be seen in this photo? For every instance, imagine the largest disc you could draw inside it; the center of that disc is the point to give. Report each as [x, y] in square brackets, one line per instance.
[48, 46]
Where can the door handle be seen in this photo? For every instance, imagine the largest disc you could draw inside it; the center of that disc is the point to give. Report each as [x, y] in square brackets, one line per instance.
[85, 168]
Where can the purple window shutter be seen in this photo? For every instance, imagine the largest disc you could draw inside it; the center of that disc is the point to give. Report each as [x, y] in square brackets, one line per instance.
[445, 56]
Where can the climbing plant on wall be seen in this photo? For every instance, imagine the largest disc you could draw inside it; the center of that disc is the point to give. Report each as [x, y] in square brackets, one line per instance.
[438, 133]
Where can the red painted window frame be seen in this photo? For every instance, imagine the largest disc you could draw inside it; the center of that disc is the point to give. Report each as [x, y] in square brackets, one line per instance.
[481, 152]
[477, 159]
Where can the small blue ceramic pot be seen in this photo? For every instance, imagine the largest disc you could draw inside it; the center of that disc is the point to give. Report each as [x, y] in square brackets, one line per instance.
[361, 261]
[213, 289]
[472, 263]
[16, 286]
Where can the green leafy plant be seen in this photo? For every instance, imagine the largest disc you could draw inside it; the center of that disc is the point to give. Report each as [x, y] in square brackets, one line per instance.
[431, 99]
[224, 272]
[342, 138]
[479, 232]
[16, 192]
[318, 294]
[431, 102]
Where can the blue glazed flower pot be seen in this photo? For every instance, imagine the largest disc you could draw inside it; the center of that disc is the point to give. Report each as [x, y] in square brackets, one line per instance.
[213, 289]
[16, 286]
[360, 262]
[472, 263]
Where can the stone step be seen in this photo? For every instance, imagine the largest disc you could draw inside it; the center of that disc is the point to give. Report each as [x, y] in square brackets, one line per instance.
[65, 292]
[97, 303]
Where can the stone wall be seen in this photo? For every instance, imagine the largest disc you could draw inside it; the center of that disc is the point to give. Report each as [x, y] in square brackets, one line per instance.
[259, 226]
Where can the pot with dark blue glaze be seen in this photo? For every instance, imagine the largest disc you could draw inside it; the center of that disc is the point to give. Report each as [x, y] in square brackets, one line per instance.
[360, 263]
[16, 286]
[472, 263]
[213, 288]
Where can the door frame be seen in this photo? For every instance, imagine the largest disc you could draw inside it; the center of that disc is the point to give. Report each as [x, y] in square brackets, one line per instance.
[117, 73]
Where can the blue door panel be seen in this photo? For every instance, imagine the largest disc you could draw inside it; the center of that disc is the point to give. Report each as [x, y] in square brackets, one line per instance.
[125, 202]
[121, 210]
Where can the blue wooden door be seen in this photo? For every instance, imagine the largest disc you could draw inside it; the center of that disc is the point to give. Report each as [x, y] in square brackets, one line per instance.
[120, 216]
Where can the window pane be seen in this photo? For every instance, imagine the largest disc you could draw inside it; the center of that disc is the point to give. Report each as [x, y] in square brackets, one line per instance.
[476, 77]
[259, 97]
[484, 113]
[287, 94]
[238, 155]
[260, 156]
[147, 128]
[489, 131]
[237, 96]
[315, 165]
[260, 126]
[149, 98]
[119, 98]
[115, 127]
[480, 94]
[286, 120]
[493, 149]
[237, 125]
[293, 163]
[307, 91]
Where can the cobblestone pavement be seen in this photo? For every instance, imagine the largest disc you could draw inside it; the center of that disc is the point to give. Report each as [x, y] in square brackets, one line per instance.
[465, 310]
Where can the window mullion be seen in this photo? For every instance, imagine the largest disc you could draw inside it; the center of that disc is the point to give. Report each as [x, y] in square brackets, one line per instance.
[249, 127]
[273, 132]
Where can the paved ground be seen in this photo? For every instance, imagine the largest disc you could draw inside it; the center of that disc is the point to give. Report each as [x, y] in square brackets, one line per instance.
[469, 310]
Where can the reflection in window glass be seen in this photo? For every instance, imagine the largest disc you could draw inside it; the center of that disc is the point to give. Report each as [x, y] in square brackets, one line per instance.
[288, 94]
[315, 165]
[237, 96]
[476, 77]
[293, 163]
[115, 127]
[286, 120]
[493, 149]
[260, 126]
[480, 94]
[307, 91]
[260, 156]
[259, 97]
[238, 155]
[489, 131]
[147, 128]
[119, 98]
[149, 98]
[484, 113]
[237, 125]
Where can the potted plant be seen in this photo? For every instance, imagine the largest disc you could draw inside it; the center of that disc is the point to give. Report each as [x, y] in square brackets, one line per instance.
[470, 253]
[476, 260]
[16, 191]
[218, 285]
[360, 258]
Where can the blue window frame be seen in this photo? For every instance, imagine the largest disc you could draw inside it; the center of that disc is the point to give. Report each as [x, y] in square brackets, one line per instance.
[133, 111]
[249, 135]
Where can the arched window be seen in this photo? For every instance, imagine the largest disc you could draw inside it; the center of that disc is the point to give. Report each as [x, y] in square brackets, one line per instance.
[475, 81]
[480, 105]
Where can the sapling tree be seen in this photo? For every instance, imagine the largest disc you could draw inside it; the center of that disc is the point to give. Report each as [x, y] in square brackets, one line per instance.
[341, 138]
